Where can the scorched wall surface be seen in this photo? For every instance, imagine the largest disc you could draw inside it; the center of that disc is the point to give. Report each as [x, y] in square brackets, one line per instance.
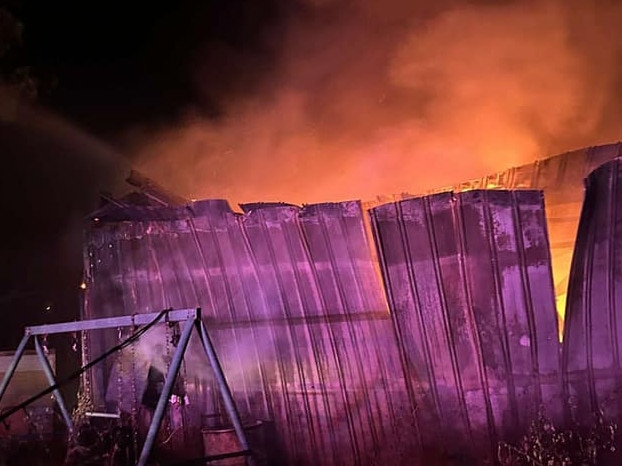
[294, 303]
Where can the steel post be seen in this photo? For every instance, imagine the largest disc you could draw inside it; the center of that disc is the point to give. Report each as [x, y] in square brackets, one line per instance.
[225, 391]
[166, 392]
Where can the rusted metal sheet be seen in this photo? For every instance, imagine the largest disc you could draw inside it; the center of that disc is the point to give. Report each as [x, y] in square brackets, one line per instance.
[339, 368]
[296, 310]
[558, 176]
[293, 299]
[593, 330]
[469, 283]
[561, 178]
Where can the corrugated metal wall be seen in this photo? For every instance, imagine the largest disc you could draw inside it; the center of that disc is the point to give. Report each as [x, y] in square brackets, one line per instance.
[295, 301]
[296, 309]
[593, 330]
[469, 283]
[295, 304]
[561, 178]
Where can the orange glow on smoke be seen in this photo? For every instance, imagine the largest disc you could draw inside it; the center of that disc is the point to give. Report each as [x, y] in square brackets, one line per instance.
[373, 100]
[398, 98]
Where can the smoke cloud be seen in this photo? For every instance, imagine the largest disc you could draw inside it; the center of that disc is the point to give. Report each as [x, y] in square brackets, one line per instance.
[370, 98]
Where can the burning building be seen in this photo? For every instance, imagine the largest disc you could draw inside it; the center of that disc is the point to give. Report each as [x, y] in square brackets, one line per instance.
[414, 331]
[561, 178]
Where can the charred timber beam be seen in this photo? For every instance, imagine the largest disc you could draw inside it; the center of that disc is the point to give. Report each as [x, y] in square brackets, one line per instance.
[110, 199]
[154, 191]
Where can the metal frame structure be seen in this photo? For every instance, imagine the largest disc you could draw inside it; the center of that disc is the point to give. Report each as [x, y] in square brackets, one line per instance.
[192, 318]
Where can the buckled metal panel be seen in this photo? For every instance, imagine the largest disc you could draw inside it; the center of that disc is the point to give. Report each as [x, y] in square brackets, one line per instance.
[468, 278]
[593, 330]
[295, 305]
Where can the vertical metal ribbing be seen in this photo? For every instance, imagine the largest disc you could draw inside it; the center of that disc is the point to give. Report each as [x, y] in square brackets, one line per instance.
[316, 344]
[279, 361]
[131, 305]
[571, 308]
[612, 215]
[399, 335]
[97, 343]
[371, 328]
[86, 380]
[500, 314]
[587, 317]
[175, 248]
[230, 301]
[248, 300]
[299, 297]
[131, 279]
[162, 301]
[162, 254]
[139, 258]
[204, 275]
[290, 334]
[592, 362]
[203, 260]
[349, 326]
[281, 369]
[340, 372]
[429, 367]
[531, 319]
[440, 284]
[460, 234]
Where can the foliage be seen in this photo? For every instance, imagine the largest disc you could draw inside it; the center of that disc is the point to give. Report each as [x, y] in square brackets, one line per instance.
[546, 445]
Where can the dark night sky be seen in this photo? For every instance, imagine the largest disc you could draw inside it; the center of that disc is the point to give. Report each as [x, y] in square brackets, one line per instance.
[122, 63]
[335, 83]
[104, 67]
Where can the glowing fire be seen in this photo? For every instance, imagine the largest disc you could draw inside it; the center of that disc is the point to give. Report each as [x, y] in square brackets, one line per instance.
[397, 99]
[402, 97]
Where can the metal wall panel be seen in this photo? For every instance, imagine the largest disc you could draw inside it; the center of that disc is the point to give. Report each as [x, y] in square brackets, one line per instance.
[294, 301]
[295, 307]
[561, 178]
[593, 331]
[469, 283]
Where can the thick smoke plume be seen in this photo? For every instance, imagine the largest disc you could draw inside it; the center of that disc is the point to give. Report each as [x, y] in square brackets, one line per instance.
[371, 98]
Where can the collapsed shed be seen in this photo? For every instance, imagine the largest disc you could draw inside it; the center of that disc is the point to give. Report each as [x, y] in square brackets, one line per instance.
[295, 299]
[345, 348]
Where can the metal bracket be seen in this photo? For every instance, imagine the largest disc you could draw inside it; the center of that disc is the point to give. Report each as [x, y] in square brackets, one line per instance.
[192, 318]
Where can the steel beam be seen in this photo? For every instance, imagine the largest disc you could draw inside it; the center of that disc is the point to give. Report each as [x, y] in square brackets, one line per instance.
[113, 322]
[192, 317]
